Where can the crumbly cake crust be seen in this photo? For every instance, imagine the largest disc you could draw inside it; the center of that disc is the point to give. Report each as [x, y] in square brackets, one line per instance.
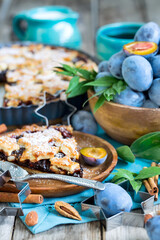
[29, 71]
[52, 149]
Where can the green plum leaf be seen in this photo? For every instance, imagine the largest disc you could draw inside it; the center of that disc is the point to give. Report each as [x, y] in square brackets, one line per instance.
[123, 173]
[147, 146]
[125, 153]
[99, 103]
[136, 185]
[70, 69]
[106, 81]
[65, 73]
[85, 79]
[148, 173]
[78, 90]
[88, 75]
[72, 84]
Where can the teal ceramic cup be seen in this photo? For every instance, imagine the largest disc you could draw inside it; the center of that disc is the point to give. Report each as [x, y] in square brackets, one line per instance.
[55, 25]
[111, 38]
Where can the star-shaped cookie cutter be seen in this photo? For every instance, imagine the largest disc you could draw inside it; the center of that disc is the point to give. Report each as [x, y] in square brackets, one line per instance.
[133, 219]
[24, 191]
[70, 109]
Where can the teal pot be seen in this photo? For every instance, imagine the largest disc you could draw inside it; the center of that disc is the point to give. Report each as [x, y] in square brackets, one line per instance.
[111, 38]
[55, 25]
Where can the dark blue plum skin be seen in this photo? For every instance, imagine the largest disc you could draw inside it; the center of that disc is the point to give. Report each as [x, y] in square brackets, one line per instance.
[99, 75]
[155, 63]
[154, 91]
[113, 199]
[149, 104]
[83, 121]
[153, 228]
[137, 73]
[115, 64]
[93, 161]
[130, 98]
[149, 32]
[103, 67]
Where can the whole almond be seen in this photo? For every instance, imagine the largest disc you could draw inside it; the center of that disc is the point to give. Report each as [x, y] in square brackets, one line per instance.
[147, 217]
[31, 218]
[66, 210]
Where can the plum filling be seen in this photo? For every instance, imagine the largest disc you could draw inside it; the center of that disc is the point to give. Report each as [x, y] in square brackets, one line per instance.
[50, 97]
[17, 154]
[3, 156]
[3, 75]
[42, 165]
[65, 133]
[79, 58]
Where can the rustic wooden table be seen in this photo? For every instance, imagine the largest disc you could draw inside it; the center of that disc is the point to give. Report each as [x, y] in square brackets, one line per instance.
[12, 228]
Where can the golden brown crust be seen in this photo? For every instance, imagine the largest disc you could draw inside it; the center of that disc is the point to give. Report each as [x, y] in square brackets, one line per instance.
[55, 144]
[30, 68]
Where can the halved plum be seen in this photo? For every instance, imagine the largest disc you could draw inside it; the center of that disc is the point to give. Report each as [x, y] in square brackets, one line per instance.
[93, 156]
[145, 49]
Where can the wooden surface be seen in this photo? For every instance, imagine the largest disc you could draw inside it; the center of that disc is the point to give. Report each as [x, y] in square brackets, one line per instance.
[110, 11]
[125, 123]
[13, 229]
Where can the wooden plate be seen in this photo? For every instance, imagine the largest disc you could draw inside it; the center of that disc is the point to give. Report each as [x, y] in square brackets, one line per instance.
[54, 188]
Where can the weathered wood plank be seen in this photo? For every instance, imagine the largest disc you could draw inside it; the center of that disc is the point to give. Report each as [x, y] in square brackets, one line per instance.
[6, 226]
[87, 231]
[126, 233]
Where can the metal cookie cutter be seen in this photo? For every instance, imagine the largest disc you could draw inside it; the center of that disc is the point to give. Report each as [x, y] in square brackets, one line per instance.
[22, 195]
[42, 111]
[133, 219]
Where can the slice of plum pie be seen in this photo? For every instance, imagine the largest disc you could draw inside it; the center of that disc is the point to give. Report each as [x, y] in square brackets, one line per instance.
[50, 149]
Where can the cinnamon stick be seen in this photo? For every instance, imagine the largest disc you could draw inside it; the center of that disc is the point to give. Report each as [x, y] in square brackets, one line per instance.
[3, 128]
[153, 164]
[150, 185]
[153, 185]
[13, 197]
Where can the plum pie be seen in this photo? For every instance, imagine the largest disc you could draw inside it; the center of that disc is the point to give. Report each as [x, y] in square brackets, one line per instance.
[50, 149]
[28, 71]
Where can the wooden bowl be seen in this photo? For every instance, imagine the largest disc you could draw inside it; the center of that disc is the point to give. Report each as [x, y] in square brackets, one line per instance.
[124, 123]
[54, 188]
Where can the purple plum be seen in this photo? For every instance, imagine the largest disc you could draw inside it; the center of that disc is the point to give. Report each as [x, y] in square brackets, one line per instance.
[113, 199]
[149, 104]
[152, 227]
[149, 32]
[115, 64]
[130, 98]
[93, 156]
[137, 73]
[83, 121]
[154, 91]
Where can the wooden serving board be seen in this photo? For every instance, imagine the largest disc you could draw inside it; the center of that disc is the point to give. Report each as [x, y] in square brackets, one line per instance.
[54, 188]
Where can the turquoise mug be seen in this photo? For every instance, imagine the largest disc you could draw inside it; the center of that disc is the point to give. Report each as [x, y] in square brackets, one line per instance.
[111, 38]
[55, 25]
